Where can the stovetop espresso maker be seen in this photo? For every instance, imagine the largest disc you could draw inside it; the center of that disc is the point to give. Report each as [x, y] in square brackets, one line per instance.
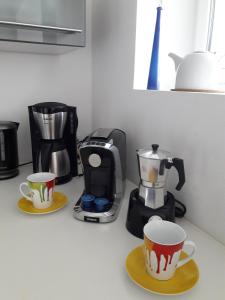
[152, 198]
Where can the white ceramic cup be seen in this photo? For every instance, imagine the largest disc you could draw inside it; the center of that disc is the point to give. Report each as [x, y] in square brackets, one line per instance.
[164, 242]
[39, 189]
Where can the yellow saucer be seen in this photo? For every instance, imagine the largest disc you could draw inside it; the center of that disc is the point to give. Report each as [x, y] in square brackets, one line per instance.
[184, 279]
[59, 201]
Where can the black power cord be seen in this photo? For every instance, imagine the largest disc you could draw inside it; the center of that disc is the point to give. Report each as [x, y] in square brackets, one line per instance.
[24, 164]
[180, 209]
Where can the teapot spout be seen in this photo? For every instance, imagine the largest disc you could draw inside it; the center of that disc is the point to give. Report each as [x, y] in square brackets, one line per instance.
[177, 59]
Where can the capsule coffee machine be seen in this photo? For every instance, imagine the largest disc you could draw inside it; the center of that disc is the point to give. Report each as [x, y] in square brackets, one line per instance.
[53, 128]
[103, 156]
[152, 198]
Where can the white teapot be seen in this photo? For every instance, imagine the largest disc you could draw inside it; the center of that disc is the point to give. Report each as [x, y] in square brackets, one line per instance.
[197, 71]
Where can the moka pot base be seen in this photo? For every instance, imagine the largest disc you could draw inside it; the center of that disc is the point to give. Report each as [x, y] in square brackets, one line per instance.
[139, 214]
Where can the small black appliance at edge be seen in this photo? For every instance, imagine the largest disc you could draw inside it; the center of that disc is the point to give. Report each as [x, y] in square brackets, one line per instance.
[8, 149]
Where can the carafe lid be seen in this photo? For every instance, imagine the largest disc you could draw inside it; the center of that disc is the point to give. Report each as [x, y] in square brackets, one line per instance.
[8, 125]
[50, 107]
[154, 153]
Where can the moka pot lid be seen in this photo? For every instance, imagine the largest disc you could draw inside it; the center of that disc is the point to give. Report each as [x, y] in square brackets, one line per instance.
[154, 153]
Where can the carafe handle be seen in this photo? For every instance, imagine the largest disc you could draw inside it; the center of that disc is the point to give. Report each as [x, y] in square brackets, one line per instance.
[46, 152]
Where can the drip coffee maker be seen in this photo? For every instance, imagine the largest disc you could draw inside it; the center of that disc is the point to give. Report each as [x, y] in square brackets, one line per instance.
[152, 198]
[53, 128]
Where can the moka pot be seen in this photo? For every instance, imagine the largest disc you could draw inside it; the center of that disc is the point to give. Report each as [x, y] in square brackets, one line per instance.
[154, 165]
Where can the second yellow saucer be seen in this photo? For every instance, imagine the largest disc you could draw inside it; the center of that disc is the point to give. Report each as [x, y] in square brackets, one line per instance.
[184, 279]
[59, 201]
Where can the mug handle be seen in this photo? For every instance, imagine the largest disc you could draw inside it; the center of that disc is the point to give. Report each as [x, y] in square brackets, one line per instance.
[21, 190]
[185, 260]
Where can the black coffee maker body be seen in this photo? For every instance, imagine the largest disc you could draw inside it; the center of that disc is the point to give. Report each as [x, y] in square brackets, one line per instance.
[53, 128]
[103, 157]
[152, 197]
[8, 149]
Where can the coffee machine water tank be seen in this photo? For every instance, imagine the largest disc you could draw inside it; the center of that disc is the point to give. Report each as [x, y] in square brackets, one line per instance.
[8, 149]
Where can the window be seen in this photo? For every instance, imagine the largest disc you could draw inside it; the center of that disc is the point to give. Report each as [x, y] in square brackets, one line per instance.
[185, 26]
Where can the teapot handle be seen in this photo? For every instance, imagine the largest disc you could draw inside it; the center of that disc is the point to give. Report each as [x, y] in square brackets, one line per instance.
[179, 165]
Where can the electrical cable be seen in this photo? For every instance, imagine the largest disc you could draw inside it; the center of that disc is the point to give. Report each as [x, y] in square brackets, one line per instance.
[24, 164]
[180, 209]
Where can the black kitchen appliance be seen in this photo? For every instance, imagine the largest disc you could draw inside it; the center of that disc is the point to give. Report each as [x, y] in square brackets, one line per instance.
[103, 156]
[152, 198]
[53, 128]
[8, 149]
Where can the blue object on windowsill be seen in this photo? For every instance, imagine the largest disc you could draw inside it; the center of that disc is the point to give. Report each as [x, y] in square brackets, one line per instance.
[153, 80]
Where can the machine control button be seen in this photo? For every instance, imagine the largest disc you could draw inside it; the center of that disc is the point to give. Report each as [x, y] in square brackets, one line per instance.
[94, 160]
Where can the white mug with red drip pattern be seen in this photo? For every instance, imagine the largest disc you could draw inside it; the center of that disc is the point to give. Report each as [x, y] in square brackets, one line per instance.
[164, 242]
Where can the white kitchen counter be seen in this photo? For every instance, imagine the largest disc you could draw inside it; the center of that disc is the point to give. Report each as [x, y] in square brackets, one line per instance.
[55, 257]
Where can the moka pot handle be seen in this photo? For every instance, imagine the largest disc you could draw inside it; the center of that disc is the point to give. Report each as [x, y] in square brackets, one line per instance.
[179, 165]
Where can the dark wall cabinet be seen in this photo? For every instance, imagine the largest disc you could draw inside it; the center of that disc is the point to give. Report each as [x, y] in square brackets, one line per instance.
[48, 26]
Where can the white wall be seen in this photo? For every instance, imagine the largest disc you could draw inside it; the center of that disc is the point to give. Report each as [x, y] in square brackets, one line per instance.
[191, 126]
[26, 79]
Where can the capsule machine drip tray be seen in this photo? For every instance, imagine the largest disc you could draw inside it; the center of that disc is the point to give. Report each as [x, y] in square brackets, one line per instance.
[96, 213]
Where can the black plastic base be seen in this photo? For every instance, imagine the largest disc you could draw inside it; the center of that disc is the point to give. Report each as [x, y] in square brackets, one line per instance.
[138, 214]
[93, 210]
[7, 174]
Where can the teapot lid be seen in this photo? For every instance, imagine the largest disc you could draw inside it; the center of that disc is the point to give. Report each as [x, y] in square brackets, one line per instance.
[154, 153]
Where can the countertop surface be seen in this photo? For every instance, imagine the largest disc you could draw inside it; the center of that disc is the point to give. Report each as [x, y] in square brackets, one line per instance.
[54, 256]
